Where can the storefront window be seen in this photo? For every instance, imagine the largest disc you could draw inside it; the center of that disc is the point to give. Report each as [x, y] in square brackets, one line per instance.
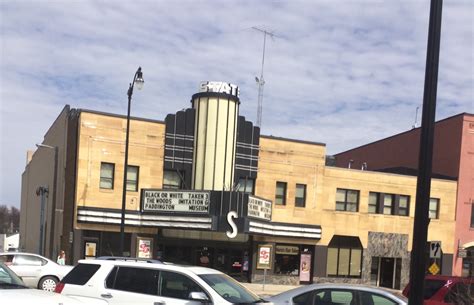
[344, 257]
[287, 259]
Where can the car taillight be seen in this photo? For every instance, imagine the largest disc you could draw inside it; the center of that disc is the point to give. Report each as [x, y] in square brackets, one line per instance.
[59, 287]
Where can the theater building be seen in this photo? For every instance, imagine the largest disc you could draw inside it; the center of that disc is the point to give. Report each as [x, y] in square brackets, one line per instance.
[205, 188]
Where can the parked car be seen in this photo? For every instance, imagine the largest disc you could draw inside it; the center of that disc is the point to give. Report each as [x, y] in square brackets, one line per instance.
[14, 291]
[145, 282]
[35, 270]
[340, 294]
[446, 290]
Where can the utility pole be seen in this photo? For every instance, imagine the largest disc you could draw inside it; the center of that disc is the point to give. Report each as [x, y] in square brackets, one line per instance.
[423, 186]
[260, 81]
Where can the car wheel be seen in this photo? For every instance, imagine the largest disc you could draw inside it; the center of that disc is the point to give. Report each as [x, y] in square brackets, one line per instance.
[48, 283]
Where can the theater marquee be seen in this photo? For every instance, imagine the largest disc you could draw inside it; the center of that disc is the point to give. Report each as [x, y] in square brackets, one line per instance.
[175, 201]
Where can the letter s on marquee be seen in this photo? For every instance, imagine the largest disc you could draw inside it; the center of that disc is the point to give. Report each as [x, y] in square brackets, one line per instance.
[230, 221]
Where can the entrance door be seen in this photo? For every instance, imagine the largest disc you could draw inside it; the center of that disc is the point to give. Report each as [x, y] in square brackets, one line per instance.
[386, 272]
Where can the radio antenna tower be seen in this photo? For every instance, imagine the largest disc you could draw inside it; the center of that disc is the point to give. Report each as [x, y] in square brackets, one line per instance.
[260, 81]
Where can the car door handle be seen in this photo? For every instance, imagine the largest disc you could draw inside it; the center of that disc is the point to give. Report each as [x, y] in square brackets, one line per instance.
[159, 303]
[106, 295]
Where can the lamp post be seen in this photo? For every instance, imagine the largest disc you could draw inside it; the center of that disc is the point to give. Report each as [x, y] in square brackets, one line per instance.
[137, 80]
[53, 206]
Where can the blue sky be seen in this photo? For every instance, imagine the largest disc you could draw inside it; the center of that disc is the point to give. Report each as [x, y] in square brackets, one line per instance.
[344, 73]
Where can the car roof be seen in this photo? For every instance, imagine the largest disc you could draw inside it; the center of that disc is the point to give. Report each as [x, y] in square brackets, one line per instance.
[162, 265]
[302, 289]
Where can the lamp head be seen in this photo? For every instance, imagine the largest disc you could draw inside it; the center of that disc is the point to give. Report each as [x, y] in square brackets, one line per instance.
[139, 80]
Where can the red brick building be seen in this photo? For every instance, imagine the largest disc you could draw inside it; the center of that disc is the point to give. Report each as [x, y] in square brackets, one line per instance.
[453, 157]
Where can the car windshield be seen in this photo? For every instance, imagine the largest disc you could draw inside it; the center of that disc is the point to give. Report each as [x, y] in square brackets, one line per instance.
[8, 279]
[230, 289]
[431, 287]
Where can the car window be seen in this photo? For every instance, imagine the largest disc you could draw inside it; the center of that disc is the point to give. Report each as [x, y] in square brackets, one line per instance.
[368, 298]
[138, 280]
[28, 260]
[432, 287]
[334, 297]
[110, 280]
[81, 274]
[459, 294]
[229, 289]
[178, 286]
[303, 299]
[6, 259]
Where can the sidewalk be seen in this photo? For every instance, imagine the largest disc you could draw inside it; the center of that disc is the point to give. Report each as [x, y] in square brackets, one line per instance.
[268, 290]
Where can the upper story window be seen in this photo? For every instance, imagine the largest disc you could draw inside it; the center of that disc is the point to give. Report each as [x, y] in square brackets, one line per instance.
[300, 195]
[389, 204]
[347, 200]
[171, 180]
[280, 193]
[132, 178]
[472, 215]
[434, 208]
[107, 171]
[247, 185]
[403, 205]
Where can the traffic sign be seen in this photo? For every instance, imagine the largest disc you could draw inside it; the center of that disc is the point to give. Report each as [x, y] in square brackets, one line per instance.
[434, 269]
[435, 249]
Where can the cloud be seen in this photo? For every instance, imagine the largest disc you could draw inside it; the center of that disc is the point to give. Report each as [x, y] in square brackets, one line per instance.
[339, 72]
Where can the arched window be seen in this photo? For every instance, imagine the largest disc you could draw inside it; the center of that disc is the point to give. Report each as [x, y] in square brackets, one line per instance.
[344, 257]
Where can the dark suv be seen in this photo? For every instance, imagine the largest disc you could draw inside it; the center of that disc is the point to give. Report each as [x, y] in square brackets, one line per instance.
[446, 290]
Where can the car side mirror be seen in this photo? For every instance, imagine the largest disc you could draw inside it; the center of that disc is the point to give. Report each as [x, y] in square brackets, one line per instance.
[198, 296]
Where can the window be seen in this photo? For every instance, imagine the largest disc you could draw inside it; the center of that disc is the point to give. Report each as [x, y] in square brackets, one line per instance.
[247, 185]
[178, 286]
[347, 200]
[280, 194]
[107, 175]
[344, 257]
[139, 280]
[300, 196]
[81, 274]
[375, 299]
[388, 204]
[334, 296]
[303, 299]
[434, 208]
[28, 260]
[403, 205]
[171, 180]
[287, 259]
[132, 178]
[472, 215]
[374, 203]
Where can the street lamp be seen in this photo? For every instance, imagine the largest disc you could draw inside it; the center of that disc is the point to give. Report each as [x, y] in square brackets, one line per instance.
[137, 80]
[53, 206]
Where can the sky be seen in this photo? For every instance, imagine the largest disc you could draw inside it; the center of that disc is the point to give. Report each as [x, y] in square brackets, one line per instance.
[344, 73]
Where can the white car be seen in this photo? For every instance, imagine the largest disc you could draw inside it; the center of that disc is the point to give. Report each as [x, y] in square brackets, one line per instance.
[341, 294]
[36, 271]
[14, 291]
[134, 282]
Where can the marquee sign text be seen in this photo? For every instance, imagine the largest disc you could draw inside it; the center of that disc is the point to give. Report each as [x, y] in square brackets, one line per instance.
[220, 87]
[259, 208]
[173, 201]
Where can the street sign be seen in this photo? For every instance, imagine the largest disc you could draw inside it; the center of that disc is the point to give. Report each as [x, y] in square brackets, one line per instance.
[434, 269]
[435, 249]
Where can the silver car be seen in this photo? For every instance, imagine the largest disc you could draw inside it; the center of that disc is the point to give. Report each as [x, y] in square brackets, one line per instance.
[338, 294]
[35, 270]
